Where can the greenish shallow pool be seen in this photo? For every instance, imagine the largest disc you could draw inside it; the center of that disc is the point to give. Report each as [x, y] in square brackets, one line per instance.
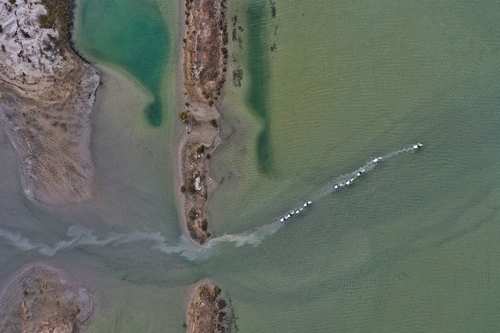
[132, 35]
[257, 96]
[411, 247]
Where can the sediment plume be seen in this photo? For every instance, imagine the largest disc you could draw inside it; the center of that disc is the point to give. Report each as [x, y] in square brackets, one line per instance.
[47, 92]
[41, 299]
[204, 70]
[208, 311]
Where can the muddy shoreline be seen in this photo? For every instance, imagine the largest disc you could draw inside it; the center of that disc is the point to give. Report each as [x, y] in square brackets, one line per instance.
[204, 66]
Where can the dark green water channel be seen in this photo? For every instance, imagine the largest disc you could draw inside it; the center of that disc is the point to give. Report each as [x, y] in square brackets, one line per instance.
[258, 91]
[139, 42]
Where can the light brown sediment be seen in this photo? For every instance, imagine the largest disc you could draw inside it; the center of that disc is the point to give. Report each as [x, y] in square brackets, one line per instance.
[47, 92]
[204, 57]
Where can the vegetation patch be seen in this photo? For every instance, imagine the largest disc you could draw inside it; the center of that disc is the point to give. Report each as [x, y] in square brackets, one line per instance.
[59, 17]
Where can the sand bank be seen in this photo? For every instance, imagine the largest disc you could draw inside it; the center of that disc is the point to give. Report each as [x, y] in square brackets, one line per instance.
[208, 310]
[41, 298]
[204, 61]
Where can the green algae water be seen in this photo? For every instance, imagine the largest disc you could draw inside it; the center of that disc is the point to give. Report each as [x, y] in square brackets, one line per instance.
[258, 73]
[411, 247]
[133, 35]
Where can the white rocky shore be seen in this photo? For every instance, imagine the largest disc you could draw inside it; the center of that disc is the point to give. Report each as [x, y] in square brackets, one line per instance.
[46, 96]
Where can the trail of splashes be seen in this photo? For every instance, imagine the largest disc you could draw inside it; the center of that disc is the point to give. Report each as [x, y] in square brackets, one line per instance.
[354, 175]
[79, 236]
[343, 182]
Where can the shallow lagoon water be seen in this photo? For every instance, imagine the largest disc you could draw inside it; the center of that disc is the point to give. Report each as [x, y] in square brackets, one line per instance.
[258, 76]
[127, 33]
[411, 248]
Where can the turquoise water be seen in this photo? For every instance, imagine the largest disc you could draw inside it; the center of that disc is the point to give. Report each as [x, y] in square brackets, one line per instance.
[131, 35]
[411, 247]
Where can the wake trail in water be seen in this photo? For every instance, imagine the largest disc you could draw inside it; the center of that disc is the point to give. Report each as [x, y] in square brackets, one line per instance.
[342, 182]
[78, 236]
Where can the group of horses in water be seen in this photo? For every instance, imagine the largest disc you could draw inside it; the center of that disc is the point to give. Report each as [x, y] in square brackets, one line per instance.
[340, 186]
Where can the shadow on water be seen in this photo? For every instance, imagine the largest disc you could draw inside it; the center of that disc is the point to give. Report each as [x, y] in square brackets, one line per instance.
[258, 91]
[138, 43]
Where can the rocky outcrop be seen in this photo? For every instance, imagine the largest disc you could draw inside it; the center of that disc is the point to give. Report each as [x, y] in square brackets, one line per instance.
[46, 96]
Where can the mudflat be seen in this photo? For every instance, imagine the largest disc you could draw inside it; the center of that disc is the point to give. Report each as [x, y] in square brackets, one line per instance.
[47, 94]
[41, 299]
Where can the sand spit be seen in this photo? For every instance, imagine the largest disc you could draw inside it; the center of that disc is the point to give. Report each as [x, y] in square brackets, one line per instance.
[46, 96]
[40, 299]
[208, 311]
[204, 70]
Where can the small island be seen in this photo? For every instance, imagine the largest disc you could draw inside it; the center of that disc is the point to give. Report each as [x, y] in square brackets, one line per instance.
[208, 311]
[47, 95]
[204, 70]
[41, 299]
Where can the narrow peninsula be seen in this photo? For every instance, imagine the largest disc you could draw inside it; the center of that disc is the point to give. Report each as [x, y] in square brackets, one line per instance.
[47, 92]
[204, 73]
[208, 311]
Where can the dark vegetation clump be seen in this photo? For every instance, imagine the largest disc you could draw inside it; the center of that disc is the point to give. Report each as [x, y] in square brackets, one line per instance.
[25, 34]
[59, 16]
[200, 149]
[237, 77]
[190, 187]
[204, 225]
[221, 304]
[184, 116]
[193, 214]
